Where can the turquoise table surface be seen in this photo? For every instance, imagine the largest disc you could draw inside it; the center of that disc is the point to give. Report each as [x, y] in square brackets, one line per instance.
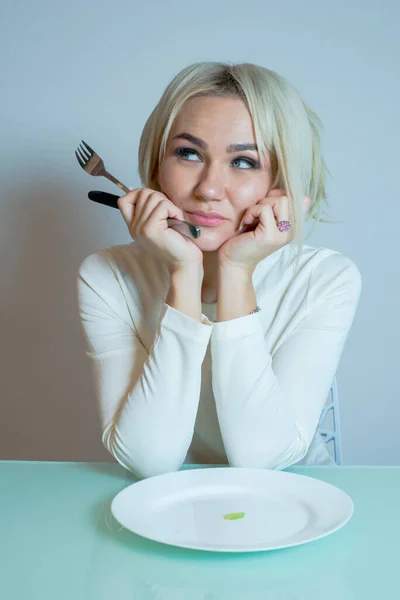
[59, 540]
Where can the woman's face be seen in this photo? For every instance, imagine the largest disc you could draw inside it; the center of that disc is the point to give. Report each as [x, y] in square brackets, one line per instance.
[203, 171]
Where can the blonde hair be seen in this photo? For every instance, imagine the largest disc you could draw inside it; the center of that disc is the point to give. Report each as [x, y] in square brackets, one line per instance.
[285, 128]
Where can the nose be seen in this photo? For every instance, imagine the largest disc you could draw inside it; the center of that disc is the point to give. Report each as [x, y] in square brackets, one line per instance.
[211, 185]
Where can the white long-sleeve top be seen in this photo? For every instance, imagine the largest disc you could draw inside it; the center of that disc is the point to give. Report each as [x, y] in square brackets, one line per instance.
[248, 392]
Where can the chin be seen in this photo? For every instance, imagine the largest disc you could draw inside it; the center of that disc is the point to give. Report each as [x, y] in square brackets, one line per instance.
[210, 241]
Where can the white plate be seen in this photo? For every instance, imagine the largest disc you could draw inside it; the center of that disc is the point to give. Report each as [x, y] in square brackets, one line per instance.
[191, 509]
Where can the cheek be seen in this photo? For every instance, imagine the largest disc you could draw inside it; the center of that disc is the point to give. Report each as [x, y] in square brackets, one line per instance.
[248, 192]
[172, 180]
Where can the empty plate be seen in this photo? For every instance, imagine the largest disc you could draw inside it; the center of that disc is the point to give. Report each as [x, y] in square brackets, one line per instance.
[232, 509]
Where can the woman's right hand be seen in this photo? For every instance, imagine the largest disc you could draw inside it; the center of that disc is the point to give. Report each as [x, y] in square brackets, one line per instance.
[145, 212]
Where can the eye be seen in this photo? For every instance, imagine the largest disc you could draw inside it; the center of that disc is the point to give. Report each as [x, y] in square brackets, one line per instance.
[248, 162]
[183, 153]
[189, 155]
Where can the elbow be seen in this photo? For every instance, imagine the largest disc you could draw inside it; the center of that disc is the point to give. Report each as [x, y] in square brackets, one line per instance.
[273, 455]
[142, 462]
[147, 468]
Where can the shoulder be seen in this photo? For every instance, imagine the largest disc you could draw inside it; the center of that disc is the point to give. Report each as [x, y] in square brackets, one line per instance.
[96, 265]
[96, 274]
[106, 261]
[333, 273]
[108, 266]
[99, 274]
[125, 277]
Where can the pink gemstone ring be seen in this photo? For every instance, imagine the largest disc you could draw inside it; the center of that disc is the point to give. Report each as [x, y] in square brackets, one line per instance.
[283, 225]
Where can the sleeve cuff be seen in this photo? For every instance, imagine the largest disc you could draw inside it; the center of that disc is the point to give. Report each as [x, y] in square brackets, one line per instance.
[237, 328]
[179, 322]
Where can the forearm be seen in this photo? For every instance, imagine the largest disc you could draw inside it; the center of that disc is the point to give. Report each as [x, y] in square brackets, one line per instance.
[270, 386]
[185, 292]
[155, 424]
[236, 296]
[151, 429]
[258, 425]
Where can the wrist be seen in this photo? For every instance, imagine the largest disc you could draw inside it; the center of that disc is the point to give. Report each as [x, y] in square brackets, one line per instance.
[236, 294]
[184, 292]
[244, 273]
[193, 271]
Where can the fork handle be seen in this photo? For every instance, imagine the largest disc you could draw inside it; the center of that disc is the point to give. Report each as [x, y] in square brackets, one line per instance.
[185, 227]
[116, 181]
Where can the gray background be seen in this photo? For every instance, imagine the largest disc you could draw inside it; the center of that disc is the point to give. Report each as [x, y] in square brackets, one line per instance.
[94, 71]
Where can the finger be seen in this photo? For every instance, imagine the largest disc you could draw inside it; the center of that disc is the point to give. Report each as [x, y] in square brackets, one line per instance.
[155, 198]
[144, 207]
[126, 204]
[282, 209]
[276, 193]
[261, 212]
[266, 218]
[247, 219]
[147, 199]
[272, 199]
[161, 211]
[131, 196]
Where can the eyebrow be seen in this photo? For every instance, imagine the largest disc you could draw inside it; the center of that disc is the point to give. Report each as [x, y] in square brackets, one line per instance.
[198, 142]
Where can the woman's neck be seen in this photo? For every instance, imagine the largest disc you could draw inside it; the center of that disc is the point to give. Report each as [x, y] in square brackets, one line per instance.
[209, 288]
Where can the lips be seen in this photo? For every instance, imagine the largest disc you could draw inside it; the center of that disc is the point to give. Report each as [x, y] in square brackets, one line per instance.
[210, 219]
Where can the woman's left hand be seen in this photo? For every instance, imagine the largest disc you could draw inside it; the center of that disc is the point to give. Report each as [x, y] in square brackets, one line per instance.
[247, 249]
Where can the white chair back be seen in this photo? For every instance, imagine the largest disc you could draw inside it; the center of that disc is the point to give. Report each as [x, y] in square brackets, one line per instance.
[332, 434]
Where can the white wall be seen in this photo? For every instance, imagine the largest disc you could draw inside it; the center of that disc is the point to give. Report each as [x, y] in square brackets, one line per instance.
[94, 70]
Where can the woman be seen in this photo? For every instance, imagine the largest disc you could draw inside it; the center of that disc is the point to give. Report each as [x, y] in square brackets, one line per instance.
[220, 349]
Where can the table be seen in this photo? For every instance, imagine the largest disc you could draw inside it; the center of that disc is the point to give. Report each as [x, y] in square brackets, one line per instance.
[58, 540]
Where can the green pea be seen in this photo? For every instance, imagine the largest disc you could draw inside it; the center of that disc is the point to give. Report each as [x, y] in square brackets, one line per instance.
[234, 516]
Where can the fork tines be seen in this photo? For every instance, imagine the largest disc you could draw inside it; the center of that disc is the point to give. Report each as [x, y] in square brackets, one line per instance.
[85, 154]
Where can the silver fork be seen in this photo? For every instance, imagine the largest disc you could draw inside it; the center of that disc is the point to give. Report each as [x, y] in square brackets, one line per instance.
[94, 165]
